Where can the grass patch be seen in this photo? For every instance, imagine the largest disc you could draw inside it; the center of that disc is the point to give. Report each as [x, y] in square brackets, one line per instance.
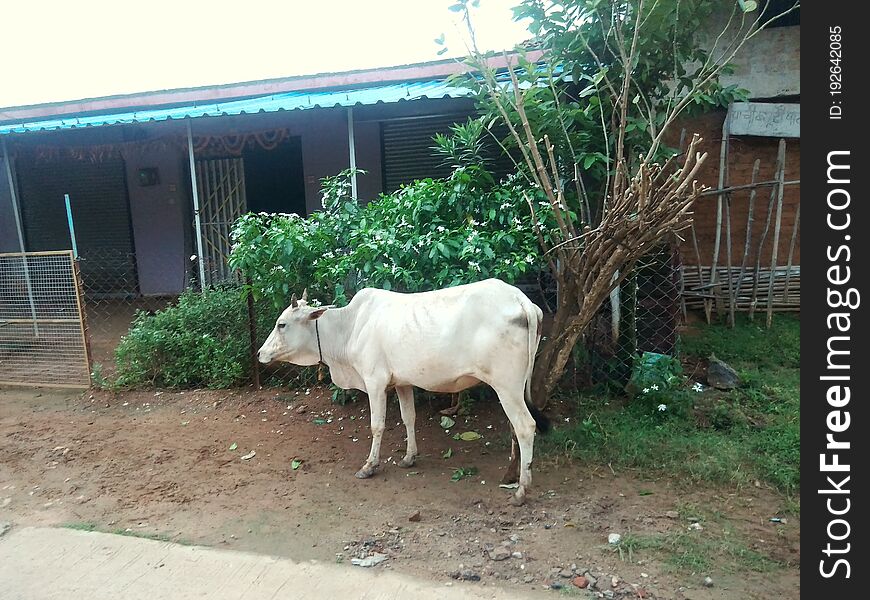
[748, 434]
[748, 341]
[696, 552]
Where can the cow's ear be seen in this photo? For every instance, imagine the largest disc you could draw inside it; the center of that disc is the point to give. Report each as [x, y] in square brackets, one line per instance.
[316, 314]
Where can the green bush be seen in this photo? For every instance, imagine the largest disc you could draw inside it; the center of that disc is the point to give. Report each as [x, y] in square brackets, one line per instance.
[202, 341]
[431, 234]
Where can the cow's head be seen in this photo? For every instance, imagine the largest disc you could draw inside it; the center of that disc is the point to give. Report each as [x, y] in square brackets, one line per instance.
[293, 338]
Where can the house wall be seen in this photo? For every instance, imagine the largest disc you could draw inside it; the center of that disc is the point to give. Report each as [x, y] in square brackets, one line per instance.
[769, 64]
[326, 152]
[8, 233]
[160, 218]
[367, 139]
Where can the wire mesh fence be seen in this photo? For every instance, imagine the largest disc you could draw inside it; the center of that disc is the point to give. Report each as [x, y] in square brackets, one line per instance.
[42, 334]
[643, 315]
[113, 299]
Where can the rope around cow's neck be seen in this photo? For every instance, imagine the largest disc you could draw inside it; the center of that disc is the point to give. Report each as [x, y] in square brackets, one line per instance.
[319, 351]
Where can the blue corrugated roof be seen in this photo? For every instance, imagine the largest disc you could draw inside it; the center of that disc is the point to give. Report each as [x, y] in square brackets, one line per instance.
[284, 101]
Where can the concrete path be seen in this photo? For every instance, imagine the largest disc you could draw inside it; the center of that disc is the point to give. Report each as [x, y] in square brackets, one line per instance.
[38, 563]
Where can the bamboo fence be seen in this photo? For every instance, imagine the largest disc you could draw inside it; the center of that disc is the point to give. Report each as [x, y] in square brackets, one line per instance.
[729, 282]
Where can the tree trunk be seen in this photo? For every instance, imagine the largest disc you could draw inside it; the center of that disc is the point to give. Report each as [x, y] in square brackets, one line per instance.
[554, 354]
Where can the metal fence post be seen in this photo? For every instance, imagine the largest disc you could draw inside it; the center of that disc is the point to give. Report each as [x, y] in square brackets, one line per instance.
[252, 328]
[14, 199]
[196, 213]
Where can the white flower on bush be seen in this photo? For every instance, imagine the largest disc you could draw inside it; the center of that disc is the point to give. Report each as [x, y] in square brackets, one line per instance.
[474, 265]
[646, 390]
[698, 387]
[441, 229]
[662, 407]
[505, 205]
[530, 259]
[654, 387]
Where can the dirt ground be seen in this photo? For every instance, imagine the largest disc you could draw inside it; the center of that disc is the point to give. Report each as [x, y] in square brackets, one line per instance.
[159, 464]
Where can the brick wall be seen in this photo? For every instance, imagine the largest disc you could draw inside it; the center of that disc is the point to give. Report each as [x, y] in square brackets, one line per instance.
[741, 155]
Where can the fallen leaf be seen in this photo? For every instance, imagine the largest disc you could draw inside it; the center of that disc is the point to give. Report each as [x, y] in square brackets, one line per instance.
[447, 453]
[469, 436]
[447, 422]
[233, 446]
[295, 464]
[250, 455]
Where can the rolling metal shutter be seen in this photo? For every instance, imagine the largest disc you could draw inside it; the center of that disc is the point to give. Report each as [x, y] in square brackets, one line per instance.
[101, 214]
[408, 153]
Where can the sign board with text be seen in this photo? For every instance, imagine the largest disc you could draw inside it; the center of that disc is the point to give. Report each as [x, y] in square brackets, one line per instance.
[765, 120]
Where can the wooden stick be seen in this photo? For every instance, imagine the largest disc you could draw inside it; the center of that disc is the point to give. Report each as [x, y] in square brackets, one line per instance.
[749, 186]
[794, 231]
[694, 237]
[707, 306]
[723, 154]
[731, 293]
[780, 159]
[756, 166]
[777, 227]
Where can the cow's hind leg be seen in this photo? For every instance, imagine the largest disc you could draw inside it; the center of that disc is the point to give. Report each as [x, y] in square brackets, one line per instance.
[409, 414]
[512, 475]
[514, 404]
[378, 407]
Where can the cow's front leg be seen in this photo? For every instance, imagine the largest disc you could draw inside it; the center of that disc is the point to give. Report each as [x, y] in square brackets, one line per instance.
[378, 407]
[409, 414]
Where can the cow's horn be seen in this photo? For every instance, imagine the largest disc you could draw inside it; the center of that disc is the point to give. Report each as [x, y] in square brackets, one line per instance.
[305, 295]
[294, 302]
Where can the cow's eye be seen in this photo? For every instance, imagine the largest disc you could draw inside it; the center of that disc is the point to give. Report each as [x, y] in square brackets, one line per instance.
[281, 325]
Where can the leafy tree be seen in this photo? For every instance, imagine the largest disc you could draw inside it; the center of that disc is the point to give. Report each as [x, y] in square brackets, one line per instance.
[588, 126]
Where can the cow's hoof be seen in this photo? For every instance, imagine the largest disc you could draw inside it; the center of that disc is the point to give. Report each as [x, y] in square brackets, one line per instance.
[407, 462]
[519, 498]
[366, 472]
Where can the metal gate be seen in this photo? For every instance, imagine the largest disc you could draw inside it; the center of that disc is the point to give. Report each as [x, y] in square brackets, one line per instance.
[221, 184]
[42, 330]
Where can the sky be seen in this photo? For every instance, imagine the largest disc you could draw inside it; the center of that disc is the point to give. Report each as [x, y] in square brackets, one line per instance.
[67, 50]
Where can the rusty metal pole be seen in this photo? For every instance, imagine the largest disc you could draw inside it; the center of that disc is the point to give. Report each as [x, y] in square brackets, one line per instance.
[252, 328]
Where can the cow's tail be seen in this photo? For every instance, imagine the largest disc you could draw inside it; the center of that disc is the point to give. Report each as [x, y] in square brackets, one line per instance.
[534, 318]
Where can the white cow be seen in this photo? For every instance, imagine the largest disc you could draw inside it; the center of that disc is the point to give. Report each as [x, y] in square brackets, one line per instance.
[443, 341]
